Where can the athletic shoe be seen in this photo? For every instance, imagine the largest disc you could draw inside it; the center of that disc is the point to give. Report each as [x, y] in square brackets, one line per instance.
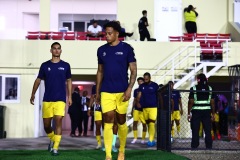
[151, 144]
[218, 136]
[108, 158]
[114, 149]
[121, 156]
[50, 146]
[134, 141]
[99, 146]
[103, 149]
[143, 141]
[55, 152]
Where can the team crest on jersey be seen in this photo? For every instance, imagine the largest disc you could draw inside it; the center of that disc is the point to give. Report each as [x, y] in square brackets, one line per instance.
[119, 53]
[49, 69]
[104, 53]
[60, 68]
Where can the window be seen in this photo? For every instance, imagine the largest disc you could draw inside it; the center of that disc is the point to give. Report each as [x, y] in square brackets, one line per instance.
[10, 88]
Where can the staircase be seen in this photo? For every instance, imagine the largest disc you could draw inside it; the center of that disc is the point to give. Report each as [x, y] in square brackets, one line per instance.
[185, 64]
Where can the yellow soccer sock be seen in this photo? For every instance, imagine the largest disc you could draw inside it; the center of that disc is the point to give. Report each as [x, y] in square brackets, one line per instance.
[135, 134]
[143, 135]
[151, 131]
[178, 128]
[172, 131]
[57, 141]
[122, 134]
[98, 138]
[212, 133]
[51, 136]
[108, 136]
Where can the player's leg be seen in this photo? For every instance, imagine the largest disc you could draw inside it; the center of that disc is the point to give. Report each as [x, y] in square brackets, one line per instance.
[115, 132]
[144, 131]
[151, 126]
[98, 123]
[177, 118]
[216, 120]
[135, 123]
[121, 111]
[108, 109]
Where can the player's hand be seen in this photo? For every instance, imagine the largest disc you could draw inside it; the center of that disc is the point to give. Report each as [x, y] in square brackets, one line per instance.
[181, 112]
[213, 117]
[97, 99]
[138, 105]
[69, 101]
[189, 118]
[32, 99]
[127, 95]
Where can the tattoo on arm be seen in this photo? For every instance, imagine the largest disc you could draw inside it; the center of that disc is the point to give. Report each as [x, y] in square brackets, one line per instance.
[133, 76]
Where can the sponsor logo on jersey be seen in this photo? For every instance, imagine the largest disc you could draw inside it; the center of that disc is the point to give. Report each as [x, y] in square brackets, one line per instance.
[119, 53]
[60, 68]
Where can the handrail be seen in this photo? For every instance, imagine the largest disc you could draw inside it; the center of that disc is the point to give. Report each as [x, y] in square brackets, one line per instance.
[171, 64]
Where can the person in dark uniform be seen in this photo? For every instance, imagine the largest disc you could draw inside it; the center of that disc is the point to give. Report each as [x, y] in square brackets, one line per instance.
[200, 106]
[74, 112]
[142, 27]
[84, 118]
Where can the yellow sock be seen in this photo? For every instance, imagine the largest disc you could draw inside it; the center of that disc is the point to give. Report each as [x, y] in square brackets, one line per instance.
[135, 134]
[108, 136]
[178, 128]
[122, 134]
[98, 138]
[51, 136]
[212, 133]
[143, 135]
[151, 131]
[57, 141]
[172, 131]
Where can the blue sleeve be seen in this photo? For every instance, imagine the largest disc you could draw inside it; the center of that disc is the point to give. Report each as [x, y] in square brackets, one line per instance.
[68, 73]
[99, 57]
[131, 55]
[135, 93]
[179, 95]
[41, 73]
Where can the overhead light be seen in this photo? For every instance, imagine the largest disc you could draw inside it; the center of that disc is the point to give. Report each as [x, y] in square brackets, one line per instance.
[83, 82]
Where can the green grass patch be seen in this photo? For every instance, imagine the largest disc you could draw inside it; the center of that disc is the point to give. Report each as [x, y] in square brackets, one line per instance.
[86, 155]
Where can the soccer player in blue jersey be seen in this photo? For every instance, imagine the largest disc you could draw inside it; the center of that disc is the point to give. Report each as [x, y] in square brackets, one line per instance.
[148, 94]
[55, 73]
[138, 115]
[177, 111]
[114, 60]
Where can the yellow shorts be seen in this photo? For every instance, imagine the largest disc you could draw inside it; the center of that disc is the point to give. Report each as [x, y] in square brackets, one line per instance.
[51, 109]
[113, 101]
[216, 117]
[150, 113]
[175, 115]
[138, 116]
[97, 115]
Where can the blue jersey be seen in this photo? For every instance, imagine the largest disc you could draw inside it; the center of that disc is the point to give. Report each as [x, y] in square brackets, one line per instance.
[55, 76]
[135, 93]
[149, 94]
[115, 61]
[176, 96]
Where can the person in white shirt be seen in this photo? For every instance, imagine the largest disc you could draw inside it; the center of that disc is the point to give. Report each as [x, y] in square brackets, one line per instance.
[94, 30]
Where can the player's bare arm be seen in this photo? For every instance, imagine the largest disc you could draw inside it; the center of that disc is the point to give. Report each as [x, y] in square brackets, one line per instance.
[69, 88]
[133, 76]
[99, 82]
[35, 87]
[138, 99]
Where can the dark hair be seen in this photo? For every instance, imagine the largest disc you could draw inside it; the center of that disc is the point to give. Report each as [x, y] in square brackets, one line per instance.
[76, 89]
[144, 12]
[55, 43]
[140, 79]
[94, 21]
[114, 25]
[170, 82]
[201, 78]
[190, 7]
[147, 74]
